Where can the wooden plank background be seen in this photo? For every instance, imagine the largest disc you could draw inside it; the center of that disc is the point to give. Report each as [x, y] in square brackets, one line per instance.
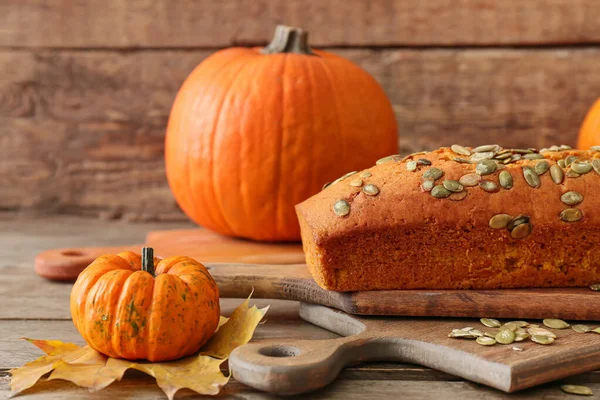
[86, 87]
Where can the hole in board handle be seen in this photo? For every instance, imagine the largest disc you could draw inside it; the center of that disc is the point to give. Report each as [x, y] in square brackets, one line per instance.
[279, 351]
[72, 253]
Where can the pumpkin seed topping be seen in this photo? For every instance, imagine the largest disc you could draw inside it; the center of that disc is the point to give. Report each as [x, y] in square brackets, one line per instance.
[366, 174]
[595, 148]
[458, 196]
[485, 341]
[498, 221]
[427, 185]
[488, 186]
[581, 328]
[486, 167]
[531, 177]
[518, 348]
[596, 165]
[571, 215]
[557, 174]
[571, 198]
[505, 336]
[581, 167]
[411, 166]
[570, 160]
[469, 179]
[433, 173]
[505, 179]
[555, 323]
[371, 190]
[486, 148]
[541, 167]
[577, 389]
[533, 156]
[522, 151]
[356, 182]
[490, 322]
[542, 339]
[562, 163]
[521, 231]
[516, 221]
[453, 186]
[423, 161]
[477, 157]
[572, 174]
[595, 287]
[341, 208]
[440, 192]
[462, 160]
[565, 147]
[502, 156]
[458, 149]
[394, 157]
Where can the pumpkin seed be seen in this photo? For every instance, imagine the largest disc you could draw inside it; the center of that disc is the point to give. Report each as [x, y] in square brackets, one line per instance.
[533, 156]
[540, 332]
[458, 149]
[507, 161]
[440, 192]
[595, 287]
[490, 322]
[515, 157]
[371, 190]
[341, 178]
[510, 326]
[459, 333]
[519, 337]
[555, 323]
[502, 156]
[516, 221]
[356, 182]
[477, 157]
[577, 389]
[462, 160]
[505, 336]
[596, 330]
[531, 177]
[571, 215]
[486, 167]
[427, 185]
[595, 148]
[341, 208]
[499, 221]
[581, 167]
[433, 173]
[423, 161]
[488, 186]
[326, 185]
[557, 174]
[581, 328]
[520, 324]
[505, 179]
[468, 328]
[486, 148]
[596, 165]
[565, 147]
[541, 167]
[572, 174]
[492, 335]
[518, 348]
[453, 186]
[366, 174]
[571, 198]
[394, 157]
[522, 151]
[562, 163]
[570, 160]
[469, 179]
[476, 332]
[457, 196]
[542, 339]
[485, 341]
[411, 166]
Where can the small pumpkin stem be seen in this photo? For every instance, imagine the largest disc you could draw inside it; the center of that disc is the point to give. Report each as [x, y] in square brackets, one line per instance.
[148, 260]
[288, 39]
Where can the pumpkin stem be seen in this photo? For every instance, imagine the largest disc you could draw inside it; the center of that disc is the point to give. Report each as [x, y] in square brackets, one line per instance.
[288, 39]
[148, 260]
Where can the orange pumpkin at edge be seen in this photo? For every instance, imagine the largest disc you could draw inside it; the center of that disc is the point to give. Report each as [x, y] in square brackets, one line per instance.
[253, 132]
[589, 132]
[125, 311]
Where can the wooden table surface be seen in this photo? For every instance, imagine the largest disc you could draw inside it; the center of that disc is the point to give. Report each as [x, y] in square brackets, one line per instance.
[33, 307]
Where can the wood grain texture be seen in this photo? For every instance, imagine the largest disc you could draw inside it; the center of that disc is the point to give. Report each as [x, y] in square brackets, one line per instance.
[82, 132]
[205, 23]
[300, 366]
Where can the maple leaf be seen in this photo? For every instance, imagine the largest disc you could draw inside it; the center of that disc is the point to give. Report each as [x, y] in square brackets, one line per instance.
[88, 368]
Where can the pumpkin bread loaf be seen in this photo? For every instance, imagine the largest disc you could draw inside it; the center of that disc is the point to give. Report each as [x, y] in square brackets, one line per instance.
[459, 218]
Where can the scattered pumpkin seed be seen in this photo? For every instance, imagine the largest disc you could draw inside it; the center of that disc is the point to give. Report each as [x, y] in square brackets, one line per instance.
[555, 323]
[485, 341]
[531, 177]
[520, 324]
[562, 163]
[477, 157]
[533, 156]
[488, 186]
[356, 182]
[557, 174]
[486, 167]
[579, 328]
[505, 336]
[518, 348]
[541, 167]
[595, 287]
[468, 328]
[453, 186]
[341, 208]
[570, 160]
[486, 148]
[371, 190]
[411, 166]
[581, 167]
[490, 322]
[366, 174]
[492, 335]
[469, 180]
[596, 330]
[571, 215]
[510, 326]
[536, 331]
[572, 174]
[423, 161]
[577, 389]
[433, 173]
[440, 192]
[457, 196]
[571, 198]
[542, 339]
[596, 165]
[459, 333]
[499, 221]
[394, 157]
[505, 179]
[427, 185]
[519, 337]
[476, 332]
[458, 149]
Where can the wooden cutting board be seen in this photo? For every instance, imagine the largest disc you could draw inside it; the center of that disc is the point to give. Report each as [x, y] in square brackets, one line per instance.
[283, 279]
[297, 366]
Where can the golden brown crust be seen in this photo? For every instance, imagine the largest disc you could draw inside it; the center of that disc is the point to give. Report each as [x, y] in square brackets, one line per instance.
[406, 238]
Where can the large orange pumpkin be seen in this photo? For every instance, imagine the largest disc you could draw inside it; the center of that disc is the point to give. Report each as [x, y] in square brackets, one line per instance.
[255, 131]
[122, 310]
[589, 133]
